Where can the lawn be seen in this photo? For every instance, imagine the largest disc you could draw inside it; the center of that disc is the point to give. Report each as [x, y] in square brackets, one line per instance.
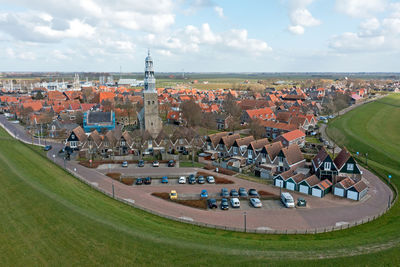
[184, 164]
[50, 218]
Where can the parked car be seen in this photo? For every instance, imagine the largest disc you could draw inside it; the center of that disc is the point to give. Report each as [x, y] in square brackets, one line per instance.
[224, 204]
[185, 152]
[234, 193]
[235, 203]
[147, 180]
[156, 163]
[301, 202]
[287, 200]
[47, 148]
[171, 163]
[201, 180]
[253, 193]
[210, 179]
[124, 164]
[139, 181]
[204, 194]
[164, 180]
[243, 192]
[173, 194]
[141, 163]
[255, 202]
[212, 203]
[182, 180]
[192, 179]
[224, 192]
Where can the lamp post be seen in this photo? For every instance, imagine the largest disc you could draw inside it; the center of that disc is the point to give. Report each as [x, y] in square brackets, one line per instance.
[366, 158]
[64, 162]
[390, 177]
[113, 189]
[245, 221]
[54, 158]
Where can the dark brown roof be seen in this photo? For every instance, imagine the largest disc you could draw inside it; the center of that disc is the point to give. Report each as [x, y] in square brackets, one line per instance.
[80, 133]
[127, 137]
[342, 158]
[293, 154]
[287, 174]
[283, 116]
[346, 183]
[298, 120]
[320, 157]
[298, 177]
[312, 180]
[257, 144]
[228, 140]
[95, 136]
[215, 138]
[245, 141]
[360, 186]
[273, 149]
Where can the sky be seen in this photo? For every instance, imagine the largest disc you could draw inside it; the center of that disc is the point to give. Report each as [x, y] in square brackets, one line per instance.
[200, 35]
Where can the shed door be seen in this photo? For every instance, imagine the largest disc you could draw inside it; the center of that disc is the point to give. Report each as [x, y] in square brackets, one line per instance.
[352, 195]
[316, 192]
[278, 183]
[290, 186]
[303, 189]
[339, 192]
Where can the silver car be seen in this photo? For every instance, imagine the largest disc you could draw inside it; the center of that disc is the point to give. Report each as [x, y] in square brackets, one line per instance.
[255, 202]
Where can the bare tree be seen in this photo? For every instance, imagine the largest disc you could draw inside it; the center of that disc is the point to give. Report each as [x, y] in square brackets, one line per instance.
[256, 129]
[192, 113]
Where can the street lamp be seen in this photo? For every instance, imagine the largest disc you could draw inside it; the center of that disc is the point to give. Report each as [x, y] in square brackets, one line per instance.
[390, 177]
[113, 189]
[245, 221]
[54, 157]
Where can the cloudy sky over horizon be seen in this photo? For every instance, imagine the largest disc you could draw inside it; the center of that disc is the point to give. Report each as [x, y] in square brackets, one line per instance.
[200, 35]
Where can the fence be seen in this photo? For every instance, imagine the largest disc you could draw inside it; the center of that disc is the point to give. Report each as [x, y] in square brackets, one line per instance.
[222, 227]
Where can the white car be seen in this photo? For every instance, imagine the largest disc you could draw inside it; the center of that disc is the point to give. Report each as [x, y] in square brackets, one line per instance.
[255, 202]
[156, 163]
[210, 179]
[235, 203]
[182, 180]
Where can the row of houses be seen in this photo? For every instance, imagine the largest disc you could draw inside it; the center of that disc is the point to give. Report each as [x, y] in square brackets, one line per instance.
[340, 176]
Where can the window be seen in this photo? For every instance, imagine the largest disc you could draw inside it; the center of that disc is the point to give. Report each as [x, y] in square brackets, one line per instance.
[350, 167]
[153, 103]
[73, 144]
[250, 152]
[327, 165]
[280, 159]
[148, 102]
[235, 150]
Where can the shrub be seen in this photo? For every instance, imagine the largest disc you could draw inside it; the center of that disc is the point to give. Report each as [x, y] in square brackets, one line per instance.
[127, 181]
[114, 175]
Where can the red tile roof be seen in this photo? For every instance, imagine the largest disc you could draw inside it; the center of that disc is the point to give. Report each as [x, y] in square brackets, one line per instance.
[293, 135]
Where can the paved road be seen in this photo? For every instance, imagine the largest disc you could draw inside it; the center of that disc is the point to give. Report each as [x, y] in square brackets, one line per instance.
[326, 212]
[342, 112]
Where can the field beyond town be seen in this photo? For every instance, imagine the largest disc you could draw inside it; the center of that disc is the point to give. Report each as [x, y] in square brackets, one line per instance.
[50, 218]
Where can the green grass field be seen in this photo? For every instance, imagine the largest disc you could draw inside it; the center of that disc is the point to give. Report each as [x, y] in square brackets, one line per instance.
[47, 217]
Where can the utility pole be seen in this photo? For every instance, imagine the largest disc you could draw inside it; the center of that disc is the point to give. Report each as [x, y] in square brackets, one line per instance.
[113, 194]
[245, 222]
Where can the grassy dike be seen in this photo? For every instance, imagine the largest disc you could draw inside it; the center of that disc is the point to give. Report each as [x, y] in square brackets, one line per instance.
[47, 217]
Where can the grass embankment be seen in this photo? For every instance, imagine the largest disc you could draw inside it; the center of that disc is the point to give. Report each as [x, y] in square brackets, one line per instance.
[50, 218]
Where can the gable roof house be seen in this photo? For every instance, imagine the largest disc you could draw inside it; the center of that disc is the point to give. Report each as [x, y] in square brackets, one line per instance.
[293, 137]
[289, 158]
[261, 114]
[346, 165]
[76, 139]
[225, 144]
[254, 149]
[306, 184]
[323, 165]
[239, 146]
[269, 152]
[212, 141]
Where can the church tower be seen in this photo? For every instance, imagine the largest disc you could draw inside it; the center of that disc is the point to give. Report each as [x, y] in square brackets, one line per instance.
[151, 121]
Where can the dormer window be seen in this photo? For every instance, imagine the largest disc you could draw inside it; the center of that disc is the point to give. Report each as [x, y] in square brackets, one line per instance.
[350, 166]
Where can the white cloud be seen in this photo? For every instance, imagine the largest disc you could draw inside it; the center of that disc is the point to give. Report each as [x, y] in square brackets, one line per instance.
[353, 42]
[220, 11]
[299, 30]
[360, 8]
[300, 17]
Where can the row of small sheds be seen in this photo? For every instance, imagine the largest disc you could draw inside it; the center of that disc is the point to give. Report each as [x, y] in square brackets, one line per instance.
[312, 185]
[350, 189]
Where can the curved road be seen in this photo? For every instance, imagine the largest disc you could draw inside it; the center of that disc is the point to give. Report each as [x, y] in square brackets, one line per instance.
[327, 212]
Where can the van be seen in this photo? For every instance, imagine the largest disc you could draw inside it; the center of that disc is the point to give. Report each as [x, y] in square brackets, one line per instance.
[235, 202]
[287, 200]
